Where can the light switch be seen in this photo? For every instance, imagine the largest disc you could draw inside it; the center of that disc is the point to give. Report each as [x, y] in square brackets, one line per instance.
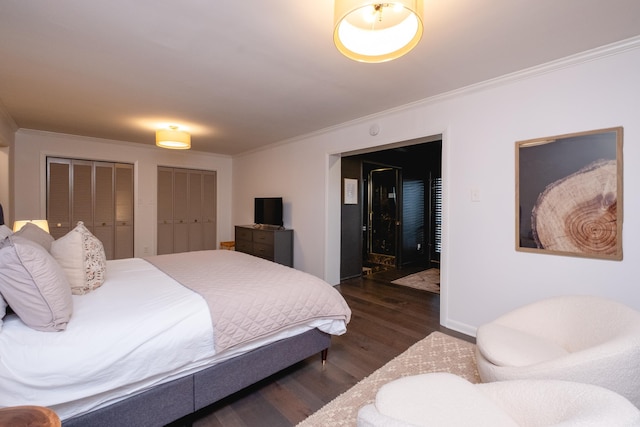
[475, 194]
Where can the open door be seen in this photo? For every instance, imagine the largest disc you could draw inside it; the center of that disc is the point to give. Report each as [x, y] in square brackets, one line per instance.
[383, 219]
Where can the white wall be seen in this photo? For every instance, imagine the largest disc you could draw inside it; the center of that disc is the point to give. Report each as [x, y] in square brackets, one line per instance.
[7, 133]
[482, 274]
[32, 148]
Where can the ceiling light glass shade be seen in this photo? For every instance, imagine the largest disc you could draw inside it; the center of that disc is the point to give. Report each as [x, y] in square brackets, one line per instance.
[173, 138]
[42, 223]
[366, 31]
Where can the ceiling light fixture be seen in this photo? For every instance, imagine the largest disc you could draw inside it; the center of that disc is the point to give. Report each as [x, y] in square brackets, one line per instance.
[173, 138]
[366, 31]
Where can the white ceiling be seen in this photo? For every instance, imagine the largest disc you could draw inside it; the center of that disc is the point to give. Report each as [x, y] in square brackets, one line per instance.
[241, 74]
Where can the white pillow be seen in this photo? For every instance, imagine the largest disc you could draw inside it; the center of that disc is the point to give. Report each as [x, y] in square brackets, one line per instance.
[34, 285]
[505, 346]
[5, 231]
[81, 256]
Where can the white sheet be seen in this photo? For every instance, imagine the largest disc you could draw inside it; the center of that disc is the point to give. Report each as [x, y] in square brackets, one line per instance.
[150, 330]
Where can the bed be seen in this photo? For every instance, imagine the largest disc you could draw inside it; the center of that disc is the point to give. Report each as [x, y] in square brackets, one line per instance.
[162, 337]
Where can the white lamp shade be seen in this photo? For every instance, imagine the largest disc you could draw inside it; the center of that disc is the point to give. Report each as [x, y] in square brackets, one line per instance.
[366, 31]
[42, 223]
[173, 138]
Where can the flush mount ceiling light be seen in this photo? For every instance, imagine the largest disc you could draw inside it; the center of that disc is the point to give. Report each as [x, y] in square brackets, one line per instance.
[173, 138]
[366, 31]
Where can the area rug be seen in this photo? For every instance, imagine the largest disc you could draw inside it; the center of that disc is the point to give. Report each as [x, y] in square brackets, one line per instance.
[436, 353]
[427, 280]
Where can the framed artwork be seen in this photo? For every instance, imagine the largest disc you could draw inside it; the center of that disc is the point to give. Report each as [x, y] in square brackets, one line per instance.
[569, 194]
[350, 191]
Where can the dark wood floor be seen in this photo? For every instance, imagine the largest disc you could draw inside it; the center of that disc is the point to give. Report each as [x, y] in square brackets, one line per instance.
[386, 320]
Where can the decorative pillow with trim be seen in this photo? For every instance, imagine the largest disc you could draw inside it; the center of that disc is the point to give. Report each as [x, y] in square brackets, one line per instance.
[34, 285]
[81, 255]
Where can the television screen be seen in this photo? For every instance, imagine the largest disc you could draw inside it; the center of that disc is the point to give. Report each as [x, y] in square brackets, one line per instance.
[268, 211]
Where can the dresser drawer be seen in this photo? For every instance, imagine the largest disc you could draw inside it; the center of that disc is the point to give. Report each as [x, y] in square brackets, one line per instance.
[261, 236]
[245, 246]
[244, 234]
[262, 250]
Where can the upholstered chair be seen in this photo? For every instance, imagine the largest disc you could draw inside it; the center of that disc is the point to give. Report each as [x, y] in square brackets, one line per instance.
[584, 339]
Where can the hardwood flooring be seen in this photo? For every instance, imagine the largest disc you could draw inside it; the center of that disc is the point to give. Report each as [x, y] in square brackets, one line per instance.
[386, 320]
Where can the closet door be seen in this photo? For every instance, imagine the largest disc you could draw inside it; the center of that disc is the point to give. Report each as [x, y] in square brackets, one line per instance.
[180, 210]
[165, 211]
[196, 238]
[124, 211]
[58, 196]
[103, 227]
[186, 210]
[100, 194]
[209, 209]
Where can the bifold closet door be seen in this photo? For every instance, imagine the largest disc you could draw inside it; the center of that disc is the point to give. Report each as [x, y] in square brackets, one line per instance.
[100, 194]
[186, 210]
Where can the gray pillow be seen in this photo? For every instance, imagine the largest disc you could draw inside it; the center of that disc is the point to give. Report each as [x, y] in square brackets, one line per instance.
[35, 234]
[5, 231]
[3, 310]
[34, 285]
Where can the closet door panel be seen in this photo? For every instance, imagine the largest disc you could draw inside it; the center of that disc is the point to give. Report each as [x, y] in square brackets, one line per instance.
[58, 196]
[82, 193]
[103, 227]
[124, 211]
[209, 209]
[165, 211]
[180, 210]
[196, 242]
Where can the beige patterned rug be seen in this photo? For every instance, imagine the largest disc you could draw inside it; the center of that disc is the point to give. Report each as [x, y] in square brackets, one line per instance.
[436, 353]
[427, 280]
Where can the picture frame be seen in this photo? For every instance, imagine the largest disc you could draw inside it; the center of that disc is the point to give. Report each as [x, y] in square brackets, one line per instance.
[350, 191]
[569, 198]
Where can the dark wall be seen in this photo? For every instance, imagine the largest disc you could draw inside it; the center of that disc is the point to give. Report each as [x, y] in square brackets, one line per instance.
[351, 224]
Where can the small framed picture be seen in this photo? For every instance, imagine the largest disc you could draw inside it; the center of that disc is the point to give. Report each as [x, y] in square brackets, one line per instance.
[569, 194]
[350, 191]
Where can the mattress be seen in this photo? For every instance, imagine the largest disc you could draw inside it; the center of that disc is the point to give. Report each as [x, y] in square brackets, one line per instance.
[140, 329]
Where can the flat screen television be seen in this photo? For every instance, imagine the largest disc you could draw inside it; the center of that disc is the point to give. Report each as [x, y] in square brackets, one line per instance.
[268, 211]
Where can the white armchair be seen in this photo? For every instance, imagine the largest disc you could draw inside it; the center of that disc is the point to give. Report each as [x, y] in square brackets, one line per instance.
[584, 339]
[445, 400]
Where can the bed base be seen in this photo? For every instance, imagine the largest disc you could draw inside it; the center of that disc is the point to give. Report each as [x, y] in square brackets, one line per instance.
[181, 397]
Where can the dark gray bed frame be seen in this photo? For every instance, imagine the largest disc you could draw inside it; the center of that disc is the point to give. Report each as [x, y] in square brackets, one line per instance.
[171, 401]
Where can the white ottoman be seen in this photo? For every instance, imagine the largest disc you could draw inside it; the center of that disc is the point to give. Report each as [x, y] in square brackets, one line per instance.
[445, 400]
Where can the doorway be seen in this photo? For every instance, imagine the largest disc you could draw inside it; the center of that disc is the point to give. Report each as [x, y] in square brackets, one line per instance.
[395, 224]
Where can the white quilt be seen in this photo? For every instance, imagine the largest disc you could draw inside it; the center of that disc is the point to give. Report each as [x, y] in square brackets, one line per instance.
[140, 329]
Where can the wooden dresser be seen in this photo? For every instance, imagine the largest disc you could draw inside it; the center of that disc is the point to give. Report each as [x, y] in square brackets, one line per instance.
[269, 243]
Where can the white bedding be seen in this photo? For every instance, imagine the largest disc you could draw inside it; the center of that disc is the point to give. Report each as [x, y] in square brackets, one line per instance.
[139, 329]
